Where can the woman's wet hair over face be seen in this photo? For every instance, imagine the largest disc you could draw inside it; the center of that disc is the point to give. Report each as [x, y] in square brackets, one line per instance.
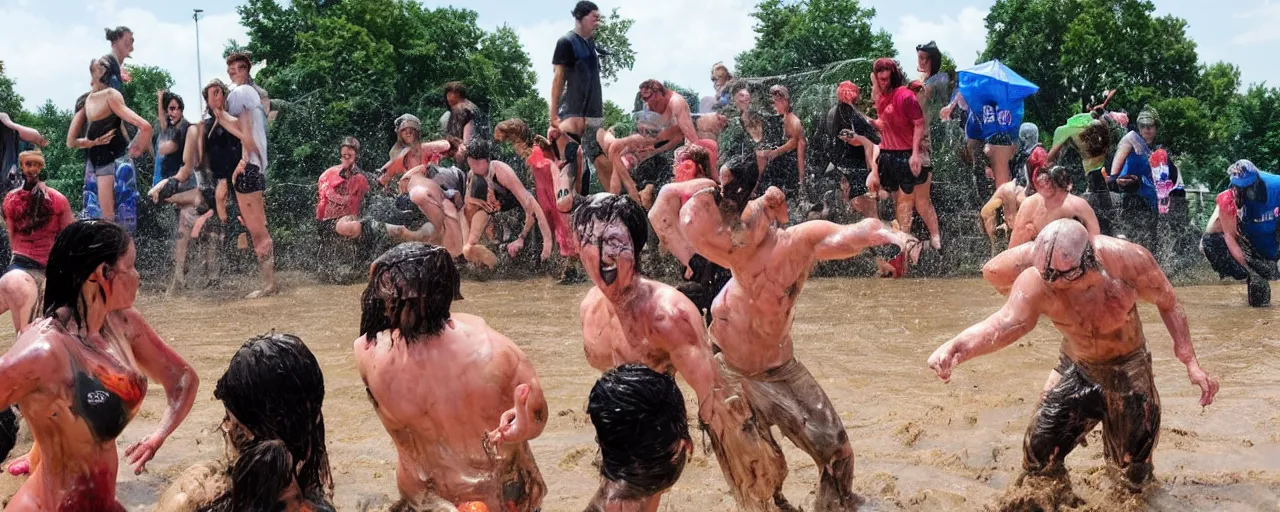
[105, 64]
[78, 251]
[274, 388]
[641, 426]
[480, 148]
[258, 479]
[605, 207]
[411, 288]
[736, 193]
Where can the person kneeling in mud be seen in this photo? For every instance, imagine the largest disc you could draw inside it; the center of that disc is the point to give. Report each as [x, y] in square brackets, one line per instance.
[449, 450]
[273, 435]
[493, 188]
[1089, 287]
[1240, 241]
[643, 434]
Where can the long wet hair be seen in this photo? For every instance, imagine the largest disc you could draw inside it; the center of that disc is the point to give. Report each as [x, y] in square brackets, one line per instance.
[77, 252]
[640, 421]
[37, 209]
[606, 207]
[734, 195]
[411, 288]
[1096, 138]
[275, 389]
[896, 77]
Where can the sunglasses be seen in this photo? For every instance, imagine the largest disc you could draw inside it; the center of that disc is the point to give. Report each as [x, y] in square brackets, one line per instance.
[1087, 262]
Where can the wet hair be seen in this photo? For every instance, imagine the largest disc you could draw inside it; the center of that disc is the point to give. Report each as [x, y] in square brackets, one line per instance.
[171, 97]
[734, 195]
[37, 208]
[411, 288]
[1096, 138]
[350, 142]
[583, 9]
[80, 101]
[77, 252]
[896, 78]
[275, 389]
[114, 34]
[641, 426]
[258, 478]
[654, 86]
[456, 87]
[1058, 175]
[480, 148]
[606, 207]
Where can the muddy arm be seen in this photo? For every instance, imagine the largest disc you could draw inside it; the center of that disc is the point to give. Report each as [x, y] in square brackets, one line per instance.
[528, 415]
[160, 362]
[664, 216]
[1014, 320]
[833, 241]
[1003, 270]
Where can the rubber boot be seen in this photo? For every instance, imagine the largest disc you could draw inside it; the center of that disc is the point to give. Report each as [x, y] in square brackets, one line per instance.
[1259, 291]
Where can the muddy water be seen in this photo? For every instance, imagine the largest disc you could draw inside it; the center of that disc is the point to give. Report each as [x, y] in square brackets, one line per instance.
[920, 444]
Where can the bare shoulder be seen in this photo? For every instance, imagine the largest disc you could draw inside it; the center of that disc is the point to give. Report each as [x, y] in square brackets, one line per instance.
[1124, 259]
[593, 302]
[39, 348]
[674, 313]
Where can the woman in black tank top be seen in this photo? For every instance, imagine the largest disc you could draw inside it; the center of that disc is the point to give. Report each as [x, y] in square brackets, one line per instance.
[96, 129]
[222, 150]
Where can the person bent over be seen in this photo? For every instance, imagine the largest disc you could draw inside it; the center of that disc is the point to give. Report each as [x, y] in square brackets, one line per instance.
[1240, 241]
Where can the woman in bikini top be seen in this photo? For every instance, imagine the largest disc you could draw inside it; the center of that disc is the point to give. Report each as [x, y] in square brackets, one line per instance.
[80, 373]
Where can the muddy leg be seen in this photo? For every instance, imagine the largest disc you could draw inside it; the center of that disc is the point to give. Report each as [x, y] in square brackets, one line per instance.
[1131, 426]
[818, 431]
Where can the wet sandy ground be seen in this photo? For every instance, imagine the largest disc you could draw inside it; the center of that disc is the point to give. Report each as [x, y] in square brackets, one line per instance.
[920, 444]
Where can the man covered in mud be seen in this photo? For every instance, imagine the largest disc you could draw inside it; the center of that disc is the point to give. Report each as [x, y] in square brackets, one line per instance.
[450, 450]
[1089, 286]
[664, 124]
[751, 324]
[627, 318]
[1053, 200]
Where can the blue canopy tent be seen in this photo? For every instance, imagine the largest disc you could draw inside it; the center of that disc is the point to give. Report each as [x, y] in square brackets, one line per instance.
[994, 94]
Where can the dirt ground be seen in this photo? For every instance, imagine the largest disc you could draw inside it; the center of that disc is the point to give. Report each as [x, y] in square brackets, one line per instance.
[920, 444]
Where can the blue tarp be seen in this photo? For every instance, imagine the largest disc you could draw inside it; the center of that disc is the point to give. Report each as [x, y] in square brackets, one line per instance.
[994, 94]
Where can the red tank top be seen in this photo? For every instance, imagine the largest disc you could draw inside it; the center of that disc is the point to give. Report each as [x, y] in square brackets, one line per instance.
[38, 241]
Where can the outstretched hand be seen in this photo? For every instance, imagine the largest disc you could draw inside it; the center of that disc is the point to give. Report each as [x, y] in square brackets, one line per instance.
[141, 452]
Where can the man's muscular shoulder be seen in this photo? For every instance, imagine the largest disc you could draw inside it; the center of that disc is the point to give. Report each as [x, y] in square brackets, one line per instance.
[675, 317]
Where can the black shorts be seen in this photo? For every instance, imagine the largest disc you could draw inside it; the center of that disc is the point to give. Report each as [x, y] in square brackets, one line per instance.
[781, 172]
[251, 180]
[23, 263]
[895, 172]
[655, 170]
[1120, 394]
[857, 178]
[327, 226]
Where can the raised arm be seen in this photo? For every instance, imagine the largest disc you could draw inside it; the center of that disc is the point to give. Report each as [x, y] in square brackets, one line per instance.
[1014, 320]
[161, 363]
[833, 241]
[1135, 264]
[28, 134]
[664, 216]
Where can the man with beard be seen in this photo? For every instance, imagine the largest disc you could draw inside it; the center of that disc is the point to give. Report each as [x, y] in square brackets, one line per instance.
[1089, 287]
[751, 324]
[627, 318]
[450, 450]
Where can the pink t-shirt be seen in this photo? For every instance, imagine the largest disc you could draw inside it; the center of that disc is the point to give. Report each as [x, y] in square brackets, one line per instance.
[898, 115]
[340, 197]
[39, 241]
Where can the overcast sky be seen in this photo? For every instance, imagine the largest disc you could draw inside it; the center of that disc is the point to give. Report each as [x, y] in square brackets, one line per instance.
[49, 43]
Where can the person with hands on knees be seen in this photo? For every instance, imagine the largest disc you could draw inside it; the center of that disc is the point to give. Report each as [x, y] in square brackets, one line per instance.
[1089, 286]
[450, 451]
[79, 374]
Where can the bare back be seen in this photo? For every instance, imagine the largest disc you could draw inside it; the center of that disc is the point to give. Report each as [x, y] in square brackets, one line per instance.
[1036, 212]
[438, 399]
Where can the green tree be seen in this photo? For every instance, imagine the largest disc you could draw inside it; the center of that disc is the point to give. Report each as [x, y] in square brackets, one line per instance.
[1256, 134]
[10, 101]
[1072, 50]
[611, 34]
[140, 91]
[795, 36]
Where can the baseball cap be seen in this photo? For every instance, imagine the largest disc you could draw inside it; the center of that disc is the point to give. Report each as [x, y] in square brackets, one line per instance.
[1243, 173]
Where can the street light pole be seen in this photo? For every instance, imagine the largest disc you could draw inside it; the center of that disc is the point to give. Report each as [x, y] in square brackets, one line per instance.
[199, 75]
